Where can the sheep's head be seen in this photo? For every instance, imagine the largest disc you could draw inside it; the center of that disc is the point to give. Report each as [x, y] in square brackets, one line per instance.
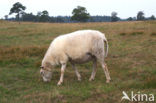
[46, 74]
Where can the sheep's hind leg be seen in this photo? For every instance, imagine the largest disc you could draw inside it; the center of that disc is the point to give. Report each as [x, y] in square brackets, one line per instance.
[104, 66]
[76, 71]
[92, 77]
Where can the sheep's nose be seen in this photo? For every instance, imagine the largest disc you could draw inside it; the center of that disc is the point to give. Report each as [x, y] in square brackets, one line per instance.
[41, 72]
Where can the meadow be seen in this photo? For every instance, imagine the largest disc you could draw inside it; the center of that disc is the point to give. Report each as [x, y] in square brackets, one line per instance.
[131, 62]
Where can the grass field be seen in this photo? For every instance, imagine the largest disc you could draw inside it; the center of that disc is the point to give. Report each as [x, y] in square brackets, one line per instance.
[131, 62]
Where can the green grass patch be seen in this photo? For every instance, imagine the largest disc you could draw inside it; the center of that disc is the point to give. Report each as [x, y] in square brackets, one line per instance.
[122, 34]
[131, 63]
[153, 34]
[136, 33]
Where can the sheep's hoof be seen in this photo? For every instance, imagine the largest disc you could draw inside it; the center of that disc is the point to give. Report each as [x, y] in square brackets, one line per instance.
[91, 79]
[79, 79]
[59, 83]
[107, 81]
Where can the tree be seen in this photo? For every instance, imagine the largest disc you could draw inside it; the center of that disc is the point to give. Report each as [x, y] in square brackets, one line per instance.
[140, 15]
[29, 17]
[130, 19]
[114, 17]
[59, 19]
[152, 17]
[80, 14]
[43, 16]
[17, 8]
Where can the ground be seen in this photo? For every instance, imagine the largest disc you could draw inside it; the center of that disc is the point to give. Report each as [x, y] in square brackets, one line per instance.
[131, 62]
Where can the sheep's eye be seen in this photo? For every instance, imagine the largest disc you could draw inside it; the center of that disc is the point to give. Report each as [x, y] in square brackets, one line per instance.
[41, 67]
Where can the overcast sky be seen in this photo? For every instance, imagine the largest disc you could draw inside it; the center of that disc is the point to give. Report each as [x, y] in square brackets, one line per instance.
[124, 8]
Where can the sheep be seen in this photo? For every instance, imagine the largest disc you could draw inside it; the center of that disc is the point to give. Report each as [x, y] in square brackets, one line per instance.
[76, 47]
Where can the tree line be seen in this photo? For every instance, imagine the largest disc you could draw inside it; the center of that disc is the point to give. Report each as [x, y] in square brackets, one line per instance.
[79, 14]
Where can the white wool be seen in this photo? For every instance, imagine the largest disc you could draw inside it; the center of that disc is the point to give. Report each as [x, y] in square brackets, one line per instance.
[75, 46]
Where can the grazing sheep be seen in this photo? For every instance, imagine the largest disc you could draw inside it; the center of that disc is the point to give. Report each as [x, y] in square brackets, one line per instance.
[76, 47]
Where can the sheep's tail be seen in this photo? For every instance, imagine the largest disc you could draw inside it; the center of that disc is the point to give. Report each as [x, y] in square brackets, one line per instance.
[106, 47]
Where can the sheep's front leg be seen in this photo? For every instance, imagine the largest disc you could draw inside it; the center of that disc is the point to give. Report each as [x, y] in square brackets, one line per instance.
[62, 74]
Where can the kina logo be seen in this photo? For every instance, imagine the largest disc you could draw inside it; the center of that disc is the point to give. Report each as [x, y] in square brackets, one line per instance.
[138, 97]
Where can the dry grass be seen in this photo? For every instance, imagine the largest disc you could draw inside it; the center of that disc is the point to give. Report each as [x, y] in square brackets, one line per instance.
[131, 63]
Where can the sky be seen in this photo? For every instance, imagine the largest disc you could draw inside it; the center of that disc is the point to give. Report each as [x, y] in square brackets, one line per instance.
[124, 8]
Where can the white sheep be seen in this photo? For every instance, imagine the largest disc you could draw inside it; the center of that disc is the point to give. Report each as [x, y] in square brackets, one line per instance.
[76, 47]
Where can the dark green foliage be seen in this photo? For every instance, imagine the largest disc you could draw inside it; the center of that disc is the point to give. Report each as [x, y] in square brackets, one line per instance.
[130, 19]
[43, 16]
[114, 17]
[28, 17]
[152, 17]
[17, 8]
[140, 15]
[80, 14]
